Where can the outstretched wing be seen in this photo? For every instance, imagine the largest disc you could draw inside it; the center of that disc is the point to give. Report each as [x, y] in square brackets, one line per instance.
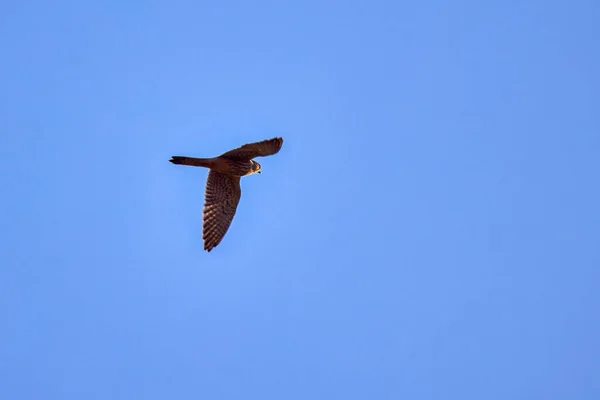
[222, 197]
[258, 149]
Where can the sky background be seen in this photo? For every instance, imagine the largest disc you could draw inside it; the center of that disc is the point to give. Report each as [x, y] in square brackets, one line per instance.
[429, 230]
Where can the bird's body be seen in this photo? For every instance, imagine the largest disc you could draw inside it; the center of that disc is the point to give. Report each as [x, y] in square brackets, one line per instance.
[223, 191]
[220, 164]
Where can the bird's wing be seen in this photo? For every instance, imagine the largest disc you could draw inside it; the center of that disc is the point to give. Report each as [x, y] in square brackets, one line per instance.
[223, 193]
[258, 149]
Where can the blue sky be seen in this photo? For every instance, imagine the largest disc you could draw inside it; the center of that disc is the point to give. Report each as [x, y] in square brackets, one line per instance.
[428, 231]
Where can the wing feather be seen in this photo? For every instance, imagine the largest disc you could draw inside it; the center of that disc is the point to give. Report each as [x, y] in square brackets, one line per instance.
[258, 149]
[223, 193]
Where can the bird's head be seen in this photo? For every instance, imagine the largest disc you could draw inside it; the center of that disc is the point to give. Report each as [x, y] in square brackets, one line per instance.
[256, 167]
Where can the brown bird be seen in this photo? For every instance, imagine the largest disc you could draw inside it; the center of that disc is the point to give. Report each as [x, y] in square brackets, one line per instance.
[223, 191]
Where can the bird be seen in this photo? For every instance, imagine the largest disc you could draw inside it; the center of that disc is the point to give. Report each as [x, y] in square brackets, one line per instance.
[223, 189]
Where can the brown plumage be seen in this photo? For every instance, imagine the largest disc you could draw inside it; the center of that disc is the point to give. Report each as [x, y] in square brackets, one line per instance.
[223, 191]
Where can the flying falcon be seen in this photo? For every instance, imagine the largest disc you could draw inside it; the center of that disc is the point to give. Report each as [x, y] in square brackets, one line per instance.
[223, 189]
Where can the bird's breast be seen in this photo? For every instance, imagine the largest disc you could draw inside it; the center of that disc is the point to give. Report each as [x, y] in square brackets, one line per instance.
[233, 167]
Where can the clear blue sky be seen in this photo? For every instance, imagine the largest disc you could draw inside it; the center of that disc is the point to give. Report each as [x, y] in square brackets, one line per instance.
[430, 229]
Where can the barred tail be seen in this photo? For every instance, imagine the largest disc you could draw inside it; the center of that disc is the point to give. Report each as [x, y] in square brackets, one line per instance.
[191, 161]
